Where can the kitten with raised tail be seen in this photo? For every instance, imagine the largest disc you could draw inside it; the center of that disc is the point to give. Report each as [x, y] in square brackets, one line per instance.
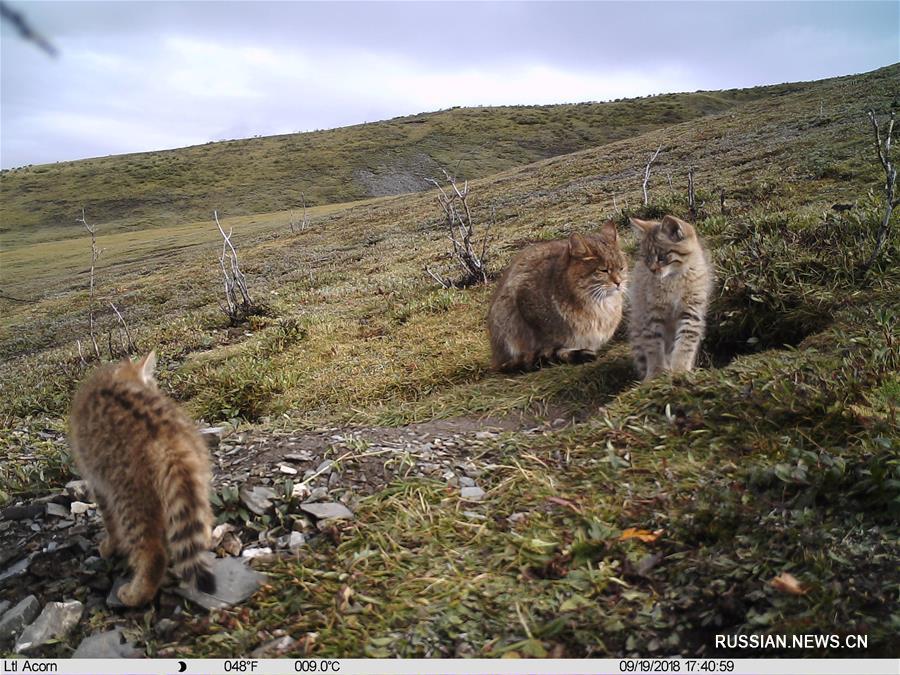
[669, 294]
[148, 468]
[558, 301]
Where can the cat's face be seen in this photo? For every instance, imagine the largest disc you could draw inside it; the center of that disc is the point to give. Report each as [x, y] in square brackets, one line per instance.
[596, 264]
[665, 245]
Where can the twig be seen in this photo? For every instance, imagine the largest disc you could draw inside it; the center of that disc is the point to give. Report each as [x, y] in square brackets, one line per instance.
[883, 148]
[646, 182]
[234, 282]
[454, 202]
[129, 348]
[305, 222]
[95, 254]
[443, 282]
[26, 32]
[692, 200]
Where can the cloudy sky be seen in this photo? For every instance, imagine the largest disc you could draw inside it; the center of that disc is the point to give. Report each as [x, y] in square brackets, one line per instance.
[134, 76]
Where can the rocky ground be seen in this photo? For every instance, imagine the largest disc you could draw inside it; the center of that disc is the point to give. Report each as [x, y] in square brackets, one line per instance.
[272, 493]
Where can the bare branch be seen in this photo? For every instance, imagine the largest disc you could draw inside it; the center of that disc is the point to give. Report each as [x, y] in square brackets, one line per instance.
[454, 202]
[646, 182]
[692, 199]
[234, 282]
[883, 149]
[305, 222]
[443, 282]
[95, 254]
[129, 345]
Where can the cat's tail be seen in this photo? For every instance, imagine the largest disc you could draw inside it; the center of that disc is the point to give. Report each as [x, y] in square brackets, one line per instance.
[188, 517]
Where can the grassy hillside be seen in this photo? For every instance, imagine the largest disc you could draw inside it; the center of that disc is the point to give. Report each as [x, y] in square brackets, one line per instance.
[243, 177]
[779, 455]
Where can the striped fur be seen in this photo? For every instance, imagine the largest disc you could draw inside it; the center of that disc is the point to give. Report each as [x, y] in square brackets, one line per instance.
[669, 295]
[149, 470]
[558, 301]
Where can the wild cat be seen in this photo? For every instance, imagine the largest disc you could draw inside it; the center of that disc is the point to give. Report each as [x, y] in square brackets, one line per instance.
[558, 300]
[669, 295]
[148, 468]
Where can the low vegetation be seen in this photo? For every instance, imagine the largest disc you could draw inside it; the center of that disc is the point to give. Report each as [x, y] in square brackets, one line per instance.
[659, 515]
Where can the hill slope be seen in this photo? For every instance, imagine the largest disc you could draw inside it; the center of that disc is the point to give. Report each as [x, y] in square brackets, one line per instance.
[241, 177]
[780, 454]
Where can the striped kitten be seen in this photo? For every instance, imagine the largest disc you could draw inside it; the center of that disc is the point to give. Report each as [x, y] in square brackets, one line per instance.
[669, 294]
[558, 301]
[149, 470]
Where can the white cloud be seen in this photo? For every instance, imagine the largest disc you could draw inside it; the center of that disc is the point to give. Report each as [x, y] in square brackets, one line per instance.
[144, 76]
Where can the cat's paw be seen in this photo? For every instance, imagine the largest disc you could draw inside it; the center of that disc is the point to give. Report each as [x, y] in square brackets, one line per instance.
[576, 356]
[131, 596]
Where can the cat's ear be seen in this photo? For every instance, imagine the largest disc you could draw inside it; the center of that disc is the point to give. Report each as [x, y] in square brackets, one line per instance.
[578, 246]
[641, 227]
[676, 229]
[146, 367]
[609, 232]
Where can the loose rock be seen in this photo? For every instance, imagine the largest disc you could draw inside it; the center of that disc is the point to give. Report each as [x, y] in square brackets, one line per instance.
[251, 553]
[78, 489]
[109, 645]
[112, 598]
[329, 511]
[23, 511]
[15, 619]
[472, 494]
[79, 508]
[57, 510]
[258, 499]
[15, 570]
[273, 648]
[54, 622]
[235, 582]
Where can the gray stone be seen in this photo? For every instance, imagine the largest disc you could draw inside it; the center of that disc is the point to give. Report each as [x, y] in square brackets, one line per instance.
[472, 494]
[235, 582]
[15, 570]
[256, 552]
[112, 598]
[465, 481]
[302, 456]
[324, 468]
[165, 629]
[296, 540]
[316, 495]
[328, 510]
[78, 489]
[15, 619]
[23, 511]
[301, 524]
[258, 499]
[287, 469]
[4, 605]
[273, 648]
[108, 645]
[78, 508]
[55, 621]
[212, 436]
[57, 510]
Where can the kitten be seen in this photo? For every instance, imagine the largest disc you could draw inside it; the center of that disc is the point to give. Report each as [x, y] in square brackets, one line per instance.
[149, 471]
[558, 300]
[669, 296]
